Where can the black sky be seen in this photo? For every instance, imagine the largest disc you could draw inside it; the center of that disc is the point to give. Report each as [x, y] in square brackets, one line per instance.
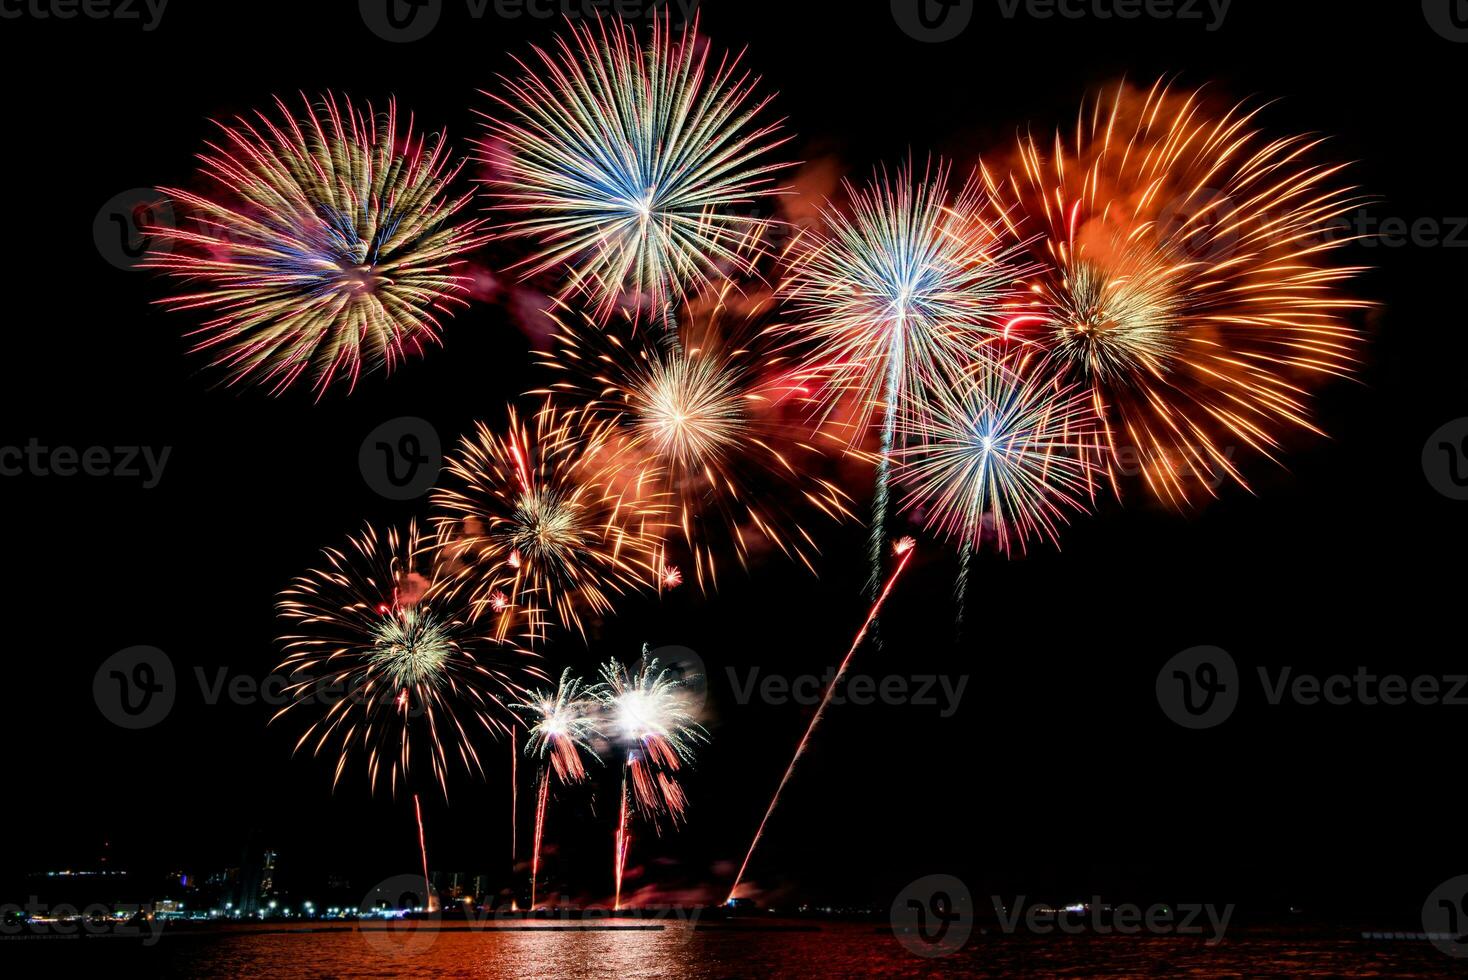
[1058, 774]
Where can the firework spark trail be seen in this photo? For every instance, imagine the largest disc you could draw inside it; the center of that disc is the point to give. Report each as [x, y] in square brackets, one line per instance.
[882, 492]
[904, 549]
[327, 243]
[960, 586]
[623, 841]
[626, 162]
[423, 848]
[514, 799]
[542, 796]
[1188, 277]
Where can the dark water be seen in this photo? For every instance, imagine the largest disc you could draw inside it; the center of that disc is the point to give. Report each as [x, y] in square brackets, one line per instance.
[836, 950]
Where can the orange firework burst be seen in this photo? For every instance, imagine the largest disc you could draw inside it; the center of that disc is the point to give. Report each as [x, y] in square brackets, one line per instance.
[541, 532]
[391, 656]
[1188, 279]
[719, 414]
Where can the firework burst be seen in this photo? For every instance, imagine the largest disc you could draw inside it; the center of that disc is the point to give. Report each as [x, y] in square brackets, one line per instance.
[1187, 277]
[1010, 448]
[626, 162]
[648, 708]
[719, 413]
[402, 673]
[327, 244]
[896, 296]
[539, 532]
[562, 725]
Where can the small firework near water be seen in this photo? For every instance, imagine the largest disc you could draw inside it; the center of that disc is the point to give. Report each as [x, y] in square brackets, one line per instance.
[629, 162]
[539, 535]
[563, 724]
[722, 414]
[324, 245]
[1188, 277]
[649, 714]
[1006, 452]
[896, 297]
[390, 664]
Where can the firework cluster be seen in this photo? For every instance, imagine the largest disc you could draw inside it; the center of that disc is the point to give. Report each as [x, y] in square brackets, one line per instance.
[1146, 300]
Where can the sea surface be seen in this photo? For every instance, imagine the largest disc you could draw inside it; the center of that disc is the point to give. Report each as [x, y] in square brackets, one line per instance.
[678, 949]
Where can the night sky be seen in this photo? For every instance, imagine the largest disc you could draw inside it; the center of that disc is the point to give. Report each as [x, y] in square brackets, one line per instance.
[1058, 774]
